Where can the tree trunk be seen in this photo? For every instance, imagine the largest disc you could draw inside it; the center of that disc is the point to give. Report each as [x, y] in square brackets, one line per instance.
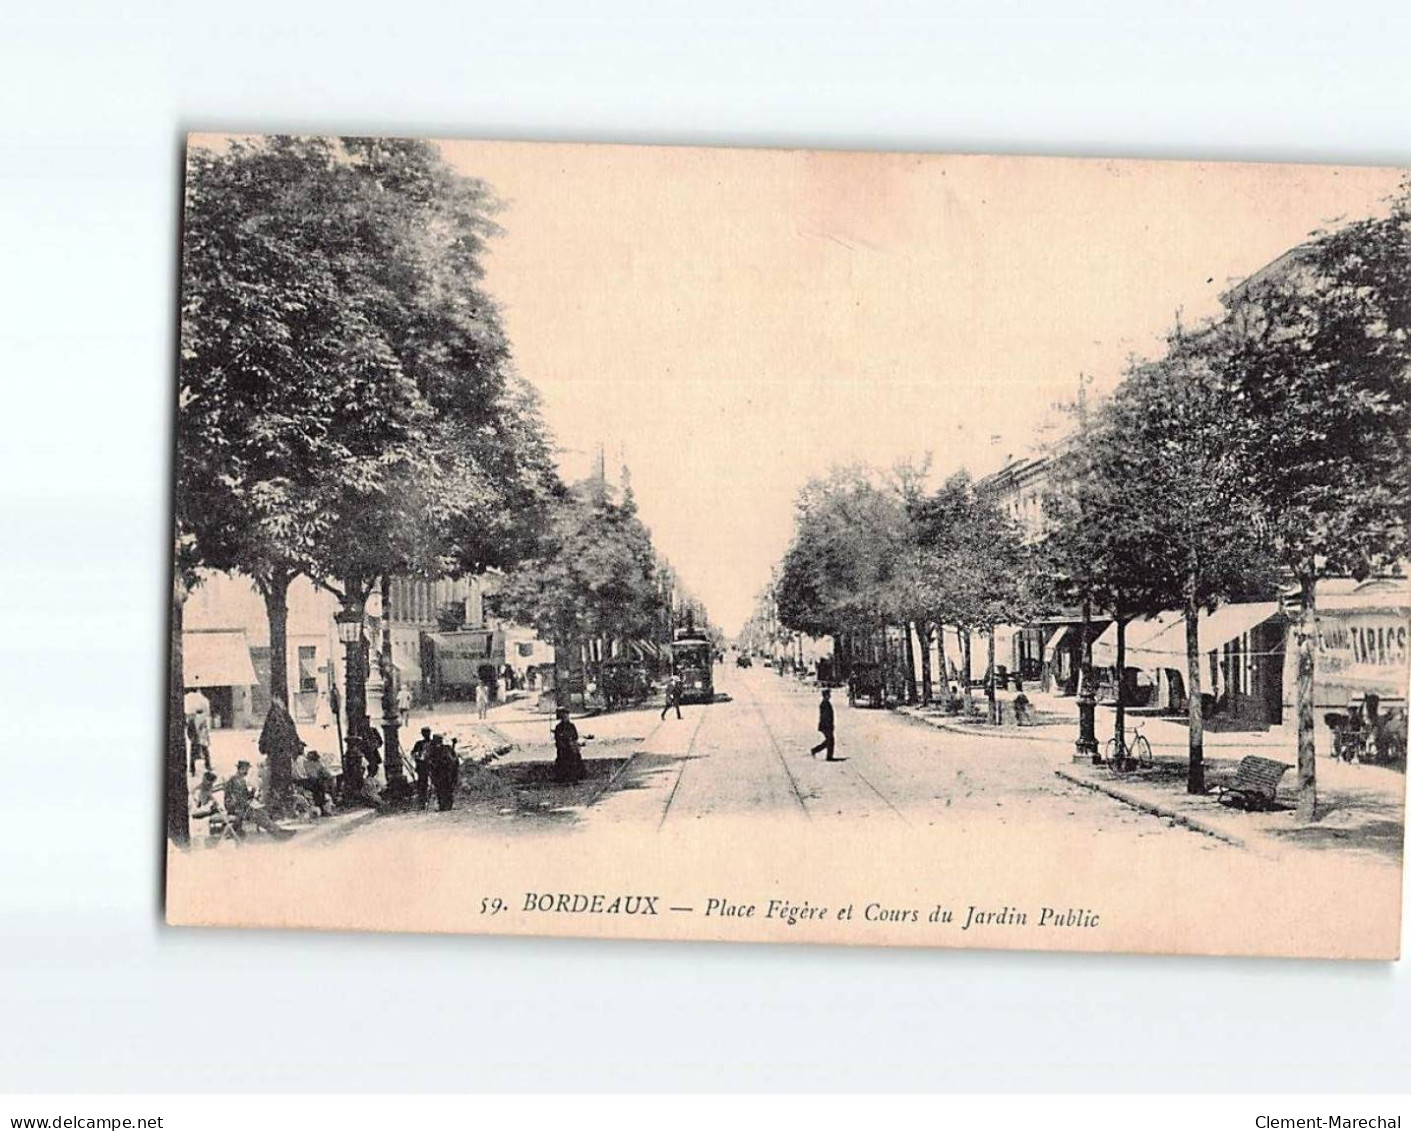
[178, 815]
[924, 631]
[560, 672]
[991, 691]
[275, 590]
[965, 674]
[1195, 777]
[944, 661]
[910, 662]
[1306, 637]
[1120, 727]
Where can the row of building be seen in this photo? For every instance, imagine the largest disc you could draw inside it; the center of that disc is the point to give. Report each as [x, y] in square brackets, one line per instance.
[443, 646]
[1249, 665]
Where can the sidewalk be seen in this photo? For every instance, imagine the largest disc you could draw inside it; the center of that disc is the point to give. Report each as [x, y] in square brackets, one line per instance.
[1361, 809]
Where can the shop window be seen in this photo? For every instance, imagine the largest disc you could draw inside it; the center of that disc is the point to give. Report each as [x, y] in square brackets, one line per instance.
[308, 668]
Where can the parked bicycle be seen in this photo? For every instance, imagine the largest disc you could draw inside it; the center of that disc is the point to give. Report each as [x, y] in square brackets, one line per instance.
[1123, 755]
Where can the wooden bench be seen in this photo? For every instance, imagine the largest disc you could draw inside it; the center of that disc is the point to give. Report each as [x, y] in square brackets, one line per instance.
[1256, 782]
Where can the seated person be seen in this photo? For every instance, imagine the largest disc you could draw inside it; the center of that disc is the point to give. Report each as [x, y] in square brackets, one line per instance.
[205, 801]
[240, 805]
[311, 774]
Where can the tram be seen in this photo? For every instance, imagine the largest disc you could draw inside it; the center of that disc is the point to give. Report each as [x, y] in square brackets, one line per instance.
[693, 659]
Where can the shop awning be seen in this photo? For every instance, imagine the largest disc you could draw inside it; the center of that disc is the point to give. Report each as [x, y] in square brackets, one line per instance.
[1140, 633]
[461, 655]
[216, 659]
[1160, 641]
[1216, 630]
[1056, 637]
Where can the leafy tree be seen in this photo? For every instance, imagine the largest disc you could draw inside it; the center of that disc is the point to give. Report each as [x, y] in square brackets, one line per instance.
[977, 567]
[347, 404]
[273, 352]
[1180, 468]
[1317, 360]
[1101, 549]
[835, 578]
[596, 576]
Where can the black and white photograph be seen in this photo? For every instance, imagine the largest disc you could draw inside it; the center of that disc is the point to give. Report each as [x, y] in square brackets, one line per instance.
[721, 564]
[600, 521]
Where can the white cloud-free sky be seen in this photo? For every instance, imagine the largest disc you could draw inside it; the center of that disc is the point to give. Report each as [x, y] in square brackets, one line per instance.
[735, 321]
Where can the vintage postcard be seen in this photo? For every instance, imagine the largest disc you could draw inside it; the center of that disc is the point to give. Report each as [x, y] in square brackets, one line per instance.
[790, 546]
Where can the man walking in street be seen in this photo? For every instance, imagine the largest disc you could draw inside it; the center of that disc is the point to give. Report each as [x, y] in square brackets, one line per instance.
[404, 703]
[673, 695]
[825, 726]
[482, 700]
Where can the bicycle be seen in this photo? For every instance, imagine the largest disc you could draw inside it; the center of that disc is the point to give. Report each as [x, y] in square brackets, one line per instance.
[1123, 756]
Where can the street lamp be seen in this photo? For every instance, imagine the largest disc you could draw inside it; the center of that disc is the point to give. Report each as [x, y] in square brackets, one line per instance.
[398, 789]
[349, 623]
[350, 626]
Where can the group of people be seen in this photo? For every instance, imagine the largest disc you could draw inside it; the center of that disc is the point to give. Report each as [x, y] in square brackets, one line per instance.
[438, 769]
[234, 801]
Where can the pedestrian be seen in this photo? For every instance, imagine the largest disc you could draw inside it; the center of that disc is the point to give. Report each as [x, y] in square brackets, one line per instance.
[311, 774]
[421, 755]
[404, 703]
[204, 802]
[673, 695]
[445, 768]
[568, 755]
[825, 726]
[240, 805]
[372, 749]
[482, 699]
[198, 734]
[282, 747]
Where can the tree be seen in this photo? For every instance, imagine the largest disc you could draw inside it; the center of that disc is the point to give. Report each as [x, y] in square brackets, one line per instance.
[348, 408]
[1317, 359]
[1181, 468]
[835, 579]
[977, 570]
[1101, 550]
[596, 576]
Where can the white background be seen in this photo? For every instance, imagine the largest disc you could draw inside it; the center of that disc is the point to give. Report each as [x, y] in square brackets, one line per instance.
[96, 995]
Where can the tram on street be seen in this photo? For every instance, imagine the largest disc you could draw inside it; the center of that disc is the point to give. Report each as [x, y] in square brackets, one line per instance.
[693, 659]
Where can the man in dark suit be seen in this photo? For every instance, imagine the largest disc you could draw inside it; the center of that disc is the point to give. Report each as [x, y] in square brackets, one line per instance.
[825, 726]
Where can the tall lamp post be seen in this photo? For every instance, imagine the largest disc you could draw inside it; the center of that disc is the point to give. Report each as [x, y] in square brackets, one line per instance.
[350, 634]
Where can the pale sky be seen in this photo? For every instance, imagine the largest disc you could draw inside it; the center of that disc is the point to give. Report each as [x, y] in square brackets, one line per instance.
[739, 320]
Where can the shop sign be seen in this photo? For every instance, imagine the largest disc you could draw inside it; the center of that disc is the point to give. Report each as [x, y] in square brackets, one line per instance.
[1364, 644]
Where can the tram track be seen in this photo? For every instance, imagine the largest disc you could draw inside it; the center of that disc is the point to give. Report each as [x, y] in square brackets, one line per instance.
[685, 761]
[779, 753]
[849, 767]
